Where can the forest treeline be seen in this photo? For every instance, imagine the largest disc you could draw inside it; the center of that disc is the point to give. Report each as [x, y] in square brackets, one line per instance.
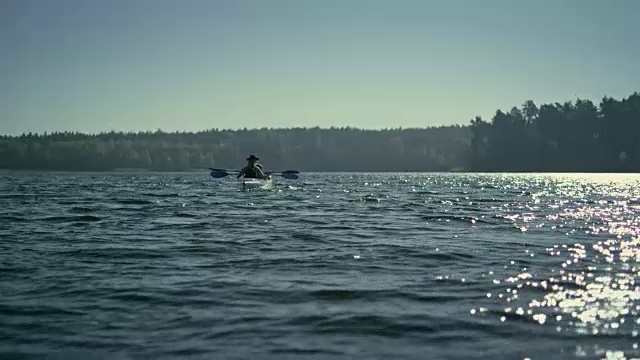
[572, 136]
[561, 137]
[305, 149]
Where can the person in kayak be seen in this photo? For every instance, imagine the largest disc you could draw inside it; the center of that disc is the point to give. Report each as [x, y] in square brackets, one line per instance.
[253, 170]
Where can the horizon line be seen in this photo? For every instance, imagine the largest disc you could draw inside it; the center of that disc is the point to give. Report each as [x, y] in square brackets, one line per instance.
[244, 129]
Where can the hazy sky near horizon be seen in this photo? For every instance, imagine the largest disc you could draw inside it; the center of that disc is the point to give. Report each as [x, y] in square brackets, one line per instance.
[96, 65]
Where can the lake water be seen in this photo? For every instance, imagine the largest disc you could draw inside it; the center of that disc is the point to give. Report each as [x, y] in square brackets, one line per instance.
[330, 266]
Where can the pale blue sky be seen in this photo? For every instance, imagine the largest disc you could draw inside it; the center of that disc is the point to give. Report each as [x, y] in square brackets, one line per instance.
[98, 65]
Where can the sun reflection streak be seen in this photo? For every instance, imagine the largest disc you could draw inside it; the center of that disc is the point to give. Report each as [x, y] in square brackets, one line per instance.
[595, 288]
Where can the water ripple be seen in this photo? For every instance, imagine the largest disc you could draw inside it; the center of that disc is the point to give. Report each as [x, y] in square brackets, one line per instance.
[378, 266]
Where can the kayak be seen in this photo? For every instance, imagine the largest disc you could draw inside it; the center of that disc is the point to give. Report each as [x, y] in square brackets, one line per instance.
[256, 184]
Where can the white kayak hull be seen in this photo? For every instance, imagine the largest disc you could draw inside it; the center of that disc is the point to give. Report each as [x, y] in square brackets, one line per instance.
[256, 184]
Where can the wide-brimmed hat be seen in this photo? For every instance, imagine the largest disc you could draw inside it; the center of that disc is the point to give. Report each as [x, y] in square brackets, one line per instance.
[253, 157]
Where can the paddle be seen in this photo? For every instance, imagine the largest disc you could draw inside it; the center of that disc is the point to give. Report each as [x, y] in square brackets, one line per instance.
[222, 170]
[287, 174]
[219, 173]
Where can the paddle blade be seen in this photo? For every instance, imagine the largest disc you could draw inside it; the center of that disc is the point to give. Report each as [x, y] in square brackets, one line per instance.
[291, 172]
[218, 174]
[290, 176]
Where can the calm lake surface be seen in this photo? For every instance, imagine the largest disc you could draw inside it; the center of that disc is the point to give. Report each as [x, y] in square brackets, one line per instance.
[330, 266]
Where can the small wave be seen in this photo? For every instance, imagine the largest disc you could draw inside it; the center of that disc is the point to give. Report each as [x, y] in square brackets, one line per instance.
[308, 237]
[424, 192]
[133, 202]
[448, 256]
[36, 310]
[297, 351]
[13, 269]
[13, 218]
[175, 226]
[347, 295]
[365, 198]
[115, 253]
[81, 209]
[186, 215]
[313, 221]
[375, 325]
[71, 219]
[161, 195]
[487, 200]
[456, 218]
[135, 296]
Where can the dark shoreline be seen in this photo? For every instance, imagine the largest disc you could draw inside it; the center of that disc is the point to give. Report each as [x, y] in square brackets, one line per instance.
[194, 171]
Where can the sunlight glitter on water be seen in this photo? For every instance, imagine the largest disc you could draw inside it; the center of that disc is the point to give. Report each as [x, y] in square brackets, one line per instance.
[507, 266]
[593, 288]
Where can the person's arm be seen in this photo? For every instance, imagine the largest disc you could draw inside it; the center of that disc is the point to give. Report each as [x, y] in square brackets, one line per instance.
[261, 172]
[241, 172]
